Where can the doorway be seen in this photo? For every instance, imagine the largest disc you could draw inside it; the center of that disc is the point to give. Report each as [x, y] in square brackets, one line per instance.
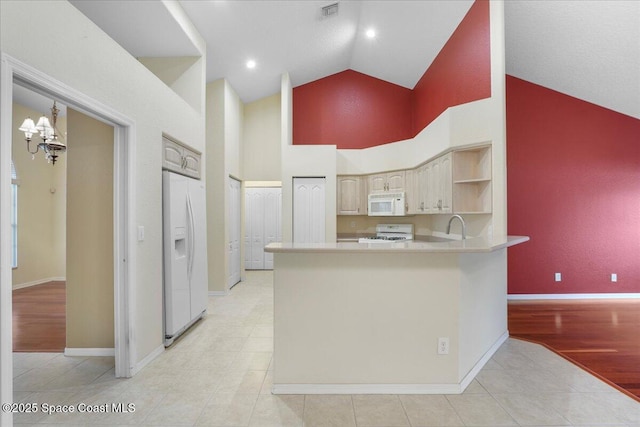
[14, 71]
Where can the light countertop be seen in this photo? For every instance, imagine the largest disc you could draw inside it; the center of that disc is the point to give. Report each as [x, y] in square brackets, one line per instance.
[476, 244]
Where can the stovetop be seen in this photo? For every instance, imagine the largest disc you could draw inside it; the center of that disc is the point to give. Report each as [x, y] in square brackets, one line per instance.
[389, 233]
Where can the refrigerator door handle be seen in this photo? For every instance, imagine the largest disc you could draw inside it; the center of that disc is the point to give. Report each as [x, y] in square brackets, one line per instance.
[190, 236]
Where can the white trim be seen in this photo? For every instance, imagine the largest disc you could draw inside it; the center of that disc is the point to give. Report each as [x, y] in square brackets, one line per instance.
[148, 359]
[89, 351]
[527, 297]
[6, 339]
[218, 293]
[124, 208]
[483, 361]
[392, 388]
[38, 282]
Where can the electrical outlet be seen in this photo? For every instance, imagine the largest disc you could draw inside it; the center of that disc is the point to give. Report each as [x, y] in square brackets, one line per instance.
[558, 277]
[353, 224]
[614, 277]
[443, 345]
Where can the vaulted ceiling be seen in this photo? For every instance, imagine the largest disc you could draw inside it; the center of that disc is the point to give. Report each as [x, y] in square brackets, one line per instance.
[586, 49]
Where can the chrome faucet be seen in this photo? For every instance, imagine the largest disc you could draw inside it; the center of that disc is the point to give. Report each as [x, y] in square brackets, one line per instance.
[464, 227]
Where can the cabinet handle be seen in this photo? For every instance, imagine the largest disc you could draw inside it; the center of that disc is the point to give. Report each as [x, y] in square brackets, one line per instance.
[440, 204]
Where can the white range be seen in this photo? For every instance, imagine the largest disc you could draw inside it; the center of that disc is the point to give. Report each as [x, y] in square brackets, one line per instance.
[390, 233]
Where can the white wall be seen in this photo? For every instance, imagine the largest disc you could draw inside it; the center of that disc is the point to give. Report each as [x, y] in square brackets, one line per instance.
[64, 44]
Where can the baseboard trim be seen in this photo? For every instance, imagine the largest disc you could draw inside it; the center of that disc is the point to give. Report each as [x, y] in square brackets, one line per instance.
[38, 282]
[218, 293]
[148, 359]
[483, 361]
[526, 297]
[83, 352]
[392, 388]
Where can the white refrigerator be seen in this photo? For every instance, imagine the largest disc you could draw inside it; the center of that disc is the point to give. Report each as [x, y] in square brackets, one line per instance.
[185, 253]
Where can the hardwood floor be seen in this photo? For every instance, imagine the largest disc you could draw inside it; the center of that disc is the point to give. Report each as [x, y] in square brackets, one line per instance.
[602, 336]
[39, 318]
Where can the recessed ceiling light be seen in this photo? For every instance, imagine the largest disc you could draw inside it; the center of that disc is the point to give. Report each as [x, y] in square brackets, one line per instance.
[251, 64]
[371, 33]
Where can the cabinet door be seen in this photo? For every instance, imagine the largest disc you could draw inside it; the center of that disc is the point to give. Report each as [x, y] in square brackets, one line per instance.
[435, 200]
[191, 164]
[377, 183]
[172, 155]
[411, 196]
[421, 189]
[349, 193]
[395, 181]
[445, 184]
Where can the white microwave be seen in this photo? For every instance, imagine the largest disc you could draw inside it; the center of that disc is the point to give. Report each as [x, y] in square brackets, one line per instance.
[387, 204]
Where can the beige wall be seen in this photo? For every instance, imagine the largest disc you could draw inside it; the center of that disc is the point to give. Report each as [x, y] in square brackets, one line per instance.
[261, 140]
[89, 233]
[224, 159]
[41, 208]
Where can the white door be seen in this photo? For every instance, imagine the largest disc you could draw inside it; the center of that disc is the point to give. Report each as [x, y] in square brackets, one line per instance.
[309, 210]
[199, 281]
[234, 231]
[272, 222]
[263, 225]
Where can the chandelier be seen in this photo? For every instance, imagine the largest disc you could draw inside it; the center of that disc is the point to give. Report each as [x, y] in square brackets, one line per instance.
[50, 144]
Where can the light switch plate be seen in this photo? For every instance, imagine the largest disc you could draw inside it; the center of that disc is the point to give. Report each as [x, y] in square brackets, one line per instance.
[558, 277]
[140, 233]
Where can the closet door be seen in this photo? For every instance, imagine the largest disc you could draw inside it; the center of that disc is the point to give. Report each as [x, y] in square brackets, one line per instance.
[263, 225]
[248, 199]
[309, 210]
[257, 230]
[234, 232]
[272, 221]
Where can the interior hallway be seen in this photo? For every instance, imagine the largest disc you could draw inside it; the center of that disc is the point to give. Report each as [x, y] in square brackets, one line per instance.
[220, 374]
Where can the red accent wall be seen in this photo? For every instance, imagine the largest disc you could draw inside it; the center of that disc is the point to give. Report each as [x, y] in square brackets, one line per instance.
[460, 73]
[351, 110]
[573, 171]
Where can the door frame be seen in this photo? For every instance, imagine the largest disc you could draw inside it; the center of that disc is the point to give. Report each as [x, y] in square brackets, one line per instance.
[13, 70]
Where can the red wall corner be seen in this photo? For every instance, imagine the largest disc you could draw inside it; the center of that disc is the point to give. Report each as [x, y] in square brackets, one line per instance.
[460, 73]
[573, 173]
[353, 110]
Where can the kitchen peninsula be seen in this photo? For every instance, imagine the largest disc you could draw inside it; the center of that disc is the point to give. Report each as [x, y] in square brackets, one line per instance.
[399, 318]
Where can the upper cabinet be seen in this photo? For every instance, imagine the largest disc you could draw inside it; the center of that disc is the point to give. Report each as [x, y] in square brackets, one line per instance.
[352, 195]
[180, 158]
[437, 185]
[458, 181]
[472, 180]
[388, 181]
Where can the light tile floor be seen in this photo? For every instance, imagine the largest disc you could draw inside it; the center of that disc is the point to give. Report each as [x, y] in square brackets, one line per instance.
[219, 375]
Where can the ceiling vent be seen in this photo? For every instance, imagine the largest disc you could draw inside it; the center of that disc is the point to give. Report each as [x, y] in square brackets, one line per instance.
[329, 11]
